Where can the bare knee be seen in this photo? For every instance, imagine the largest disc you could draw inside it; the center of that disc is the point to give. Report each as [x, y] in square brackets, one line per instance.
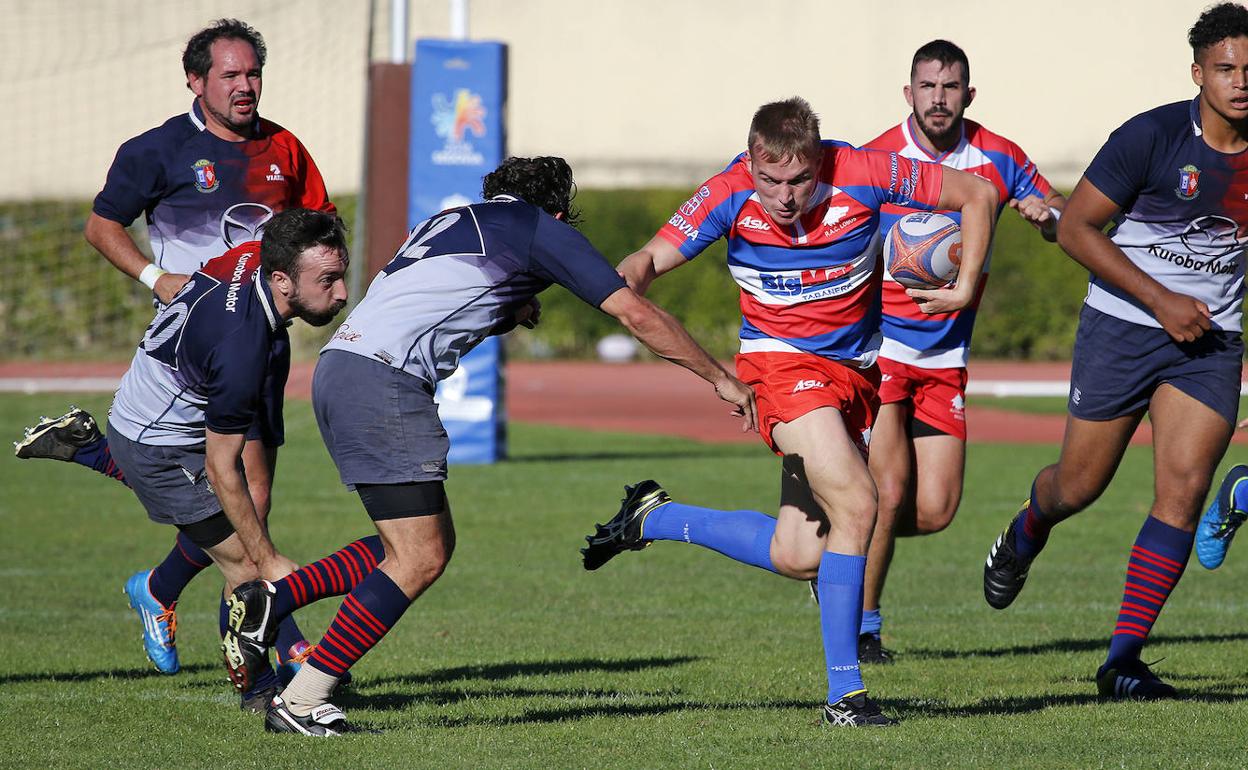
[934, 516]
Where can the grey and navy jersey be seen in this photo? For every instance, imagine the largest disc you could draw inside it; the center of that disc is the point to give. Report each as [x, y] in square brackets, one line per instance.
[1184, 217]
[216, 357]
[458, 275]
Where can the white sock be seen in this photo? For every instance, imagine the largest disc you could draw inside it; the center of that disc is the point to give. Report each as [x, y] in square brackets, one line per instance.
[310, 688]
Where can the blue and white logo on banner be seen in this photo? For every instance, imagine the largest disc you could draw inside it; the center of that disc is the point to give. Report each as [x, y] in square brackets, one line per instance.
[457, 137]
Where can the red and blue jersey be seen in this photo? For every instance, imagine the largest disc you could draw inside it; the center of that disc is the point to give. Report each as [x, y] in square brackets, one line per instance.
[942, 340]
[813, 286]
[202, 195]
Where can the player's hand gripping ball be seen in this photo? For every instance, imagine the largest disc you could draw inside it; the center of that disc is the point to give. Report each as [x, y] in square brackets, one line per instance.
[923, 250]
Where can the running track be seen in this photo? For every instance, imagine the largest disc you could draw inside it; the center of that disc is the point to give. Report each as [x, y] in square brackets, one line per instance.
[635, 398]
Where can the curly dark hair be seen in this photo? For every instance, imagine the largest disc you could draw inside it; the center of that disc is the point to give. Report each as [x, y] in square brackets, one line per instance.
[1217, 23]
[545, 182]
[197, 58]
[944, 52]
[291, 232]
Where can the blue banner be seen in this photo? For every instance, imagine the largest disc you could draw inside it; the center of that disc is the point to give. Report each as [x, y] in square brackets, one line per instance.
[459, 90]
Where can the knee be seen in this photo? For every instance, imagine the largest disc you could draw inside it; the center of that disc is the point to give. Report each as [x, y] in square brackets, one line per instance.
[796, 566]
[892, 496]
[936, 516]
[422, 564]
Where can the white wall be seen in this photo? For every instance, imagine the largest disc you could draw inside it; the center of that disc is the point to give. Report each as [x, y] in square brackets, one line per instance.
[631, 91]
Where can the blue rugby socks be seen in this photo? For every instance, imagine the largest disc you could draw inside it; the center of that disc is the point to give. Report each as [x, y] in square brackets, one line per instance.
[1032, 530]
[840, 606]
[1157, 561]
[181, 565]
[744, 536]
[872, 622]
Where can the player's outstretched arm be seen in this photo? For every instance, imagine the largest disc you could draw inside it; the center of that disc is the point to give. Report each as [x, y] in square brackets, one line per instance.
[664, 335]
[111, 239]
[223, 451]
[1081, 234]
[976, 199]
[1041, 213]
[649, 262]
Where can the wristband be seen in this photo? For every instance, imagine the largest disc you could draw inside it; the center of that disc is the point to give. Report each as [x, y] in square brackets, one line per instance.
[150, 275]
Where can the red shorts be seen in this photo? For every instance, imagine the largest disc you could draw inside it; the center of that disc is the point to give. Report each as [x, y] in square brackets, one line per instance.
[788, 385]
[937, 396]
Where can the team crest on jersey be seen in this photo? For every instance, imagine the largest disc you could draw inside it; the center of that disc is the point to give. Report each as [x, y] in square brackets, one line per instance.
[1189, 178]
[205, 176]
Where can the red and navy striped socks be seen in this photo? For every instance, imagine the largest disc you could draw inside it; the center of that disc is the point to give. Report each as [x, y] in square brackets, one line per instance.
[1157, 561]
[367, 614]
[333, 575]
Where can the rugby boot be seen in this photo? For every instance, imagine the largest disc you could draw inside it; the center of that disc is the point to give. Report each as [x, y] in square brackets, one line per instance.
[160, 624]
[624, 531]
[1132, 680]
[1221, 520]
[249, 633]
[58, 438]
[871, 650]
[1004, 571]
[325, 721]
[855, 710]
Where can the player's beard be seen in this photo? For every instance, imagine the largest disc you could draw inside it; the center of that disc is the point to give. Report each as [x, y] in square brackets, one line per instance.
[940, 136]
[314, 317]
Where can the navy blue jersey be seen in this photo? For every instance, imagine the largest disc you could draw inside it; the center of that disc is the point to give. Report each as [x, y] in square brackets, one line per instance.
[215, 357]
[462, 272]
[203, 195]
[1184, 217]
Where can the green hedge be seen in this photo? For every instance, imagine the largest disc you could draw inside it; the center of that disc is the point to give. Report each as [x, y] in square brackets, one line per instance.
[1029, 310]
[58, 298]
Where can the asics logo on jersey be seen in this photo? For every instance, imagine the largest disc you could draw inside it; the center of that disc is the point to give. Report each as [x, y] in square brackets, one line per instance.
[693, 204]
[753, 223]
[686, 229]
[808, 385]
[275, 174]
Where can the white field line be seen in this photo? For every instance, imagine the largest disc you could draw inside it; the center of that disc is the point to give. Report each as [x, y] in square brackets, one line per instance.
[998, 388]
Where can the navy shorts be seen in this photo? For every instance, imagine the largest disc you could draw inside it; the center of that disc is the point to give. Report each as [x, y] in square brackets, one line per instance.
[170, 481]
[379, 423]
[1118, 365]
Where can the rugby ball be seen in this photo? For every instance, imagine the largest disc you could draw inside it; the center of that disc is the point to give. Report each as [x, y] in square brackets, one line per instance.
[923, 250]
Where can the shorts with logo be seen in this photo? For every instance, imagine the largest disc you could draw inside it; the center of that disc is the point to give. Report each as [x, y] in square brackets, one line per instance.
[170, 481]
[788, 385]
[380, 424]
[1118, 365]
[937, 396]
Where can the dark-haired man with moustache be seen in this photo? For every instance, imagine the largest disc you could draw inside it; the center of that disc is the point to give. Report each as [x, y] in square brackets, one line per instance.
[1159, 334]
[918, 443]
[205, 181]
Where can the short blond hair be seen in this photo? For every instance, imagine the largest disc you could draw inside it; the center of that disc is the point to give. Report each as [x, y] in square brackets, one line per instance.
[784, 130]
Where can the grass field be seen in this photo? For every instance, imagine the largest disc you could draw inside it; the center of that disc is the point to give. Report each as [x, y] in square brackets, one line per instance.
[673, 657]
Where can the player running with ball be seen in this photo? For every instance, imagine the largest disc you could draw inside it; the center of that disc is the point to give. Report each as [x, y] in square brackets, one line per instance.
[801, 218]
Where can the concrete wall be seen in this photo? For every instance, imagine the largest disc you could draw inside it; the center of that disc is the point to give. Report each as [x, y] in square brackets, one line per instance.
[633, 92]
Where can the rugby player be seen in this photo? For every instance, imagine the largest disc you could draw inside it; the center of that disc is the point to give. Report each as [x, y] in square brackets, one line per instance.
[199, 382]
[206, 181]
[801, 218]
[467, 273]
[1159, 333]
[918, 441]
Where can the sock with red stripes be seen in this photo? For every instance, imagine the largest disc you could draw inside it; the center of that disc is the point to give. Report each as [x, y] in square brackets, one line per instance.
[369, 611]
[1157, 560]
[333, 575]
[184, 562]
[1032, 529]
[99, 458]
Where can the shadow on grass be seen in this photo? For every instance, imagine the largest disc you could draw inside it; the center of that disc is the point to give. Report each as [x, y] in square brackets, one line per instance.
[1100, 643]
[91, 676]
[497, 671]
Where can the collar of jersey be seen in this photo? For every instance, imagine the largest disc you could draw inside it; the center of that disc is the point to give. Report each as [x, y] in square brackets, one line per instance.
[196, 116]
[912, 134]
[265, 295]
[1193, 112]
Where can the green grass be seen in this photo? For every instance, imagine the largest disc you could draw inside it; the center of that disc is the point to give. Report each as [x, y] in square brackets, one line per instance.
[674, 657]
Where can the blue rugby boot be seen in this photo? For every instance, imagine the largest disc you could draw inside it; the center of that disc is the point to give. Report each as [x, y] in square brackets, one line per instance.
[160, 624]
[1221, 520]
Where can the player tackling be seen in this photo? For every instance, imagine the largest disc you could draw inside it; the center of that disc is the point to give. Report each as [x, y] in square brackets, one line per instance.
[1159, 333]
